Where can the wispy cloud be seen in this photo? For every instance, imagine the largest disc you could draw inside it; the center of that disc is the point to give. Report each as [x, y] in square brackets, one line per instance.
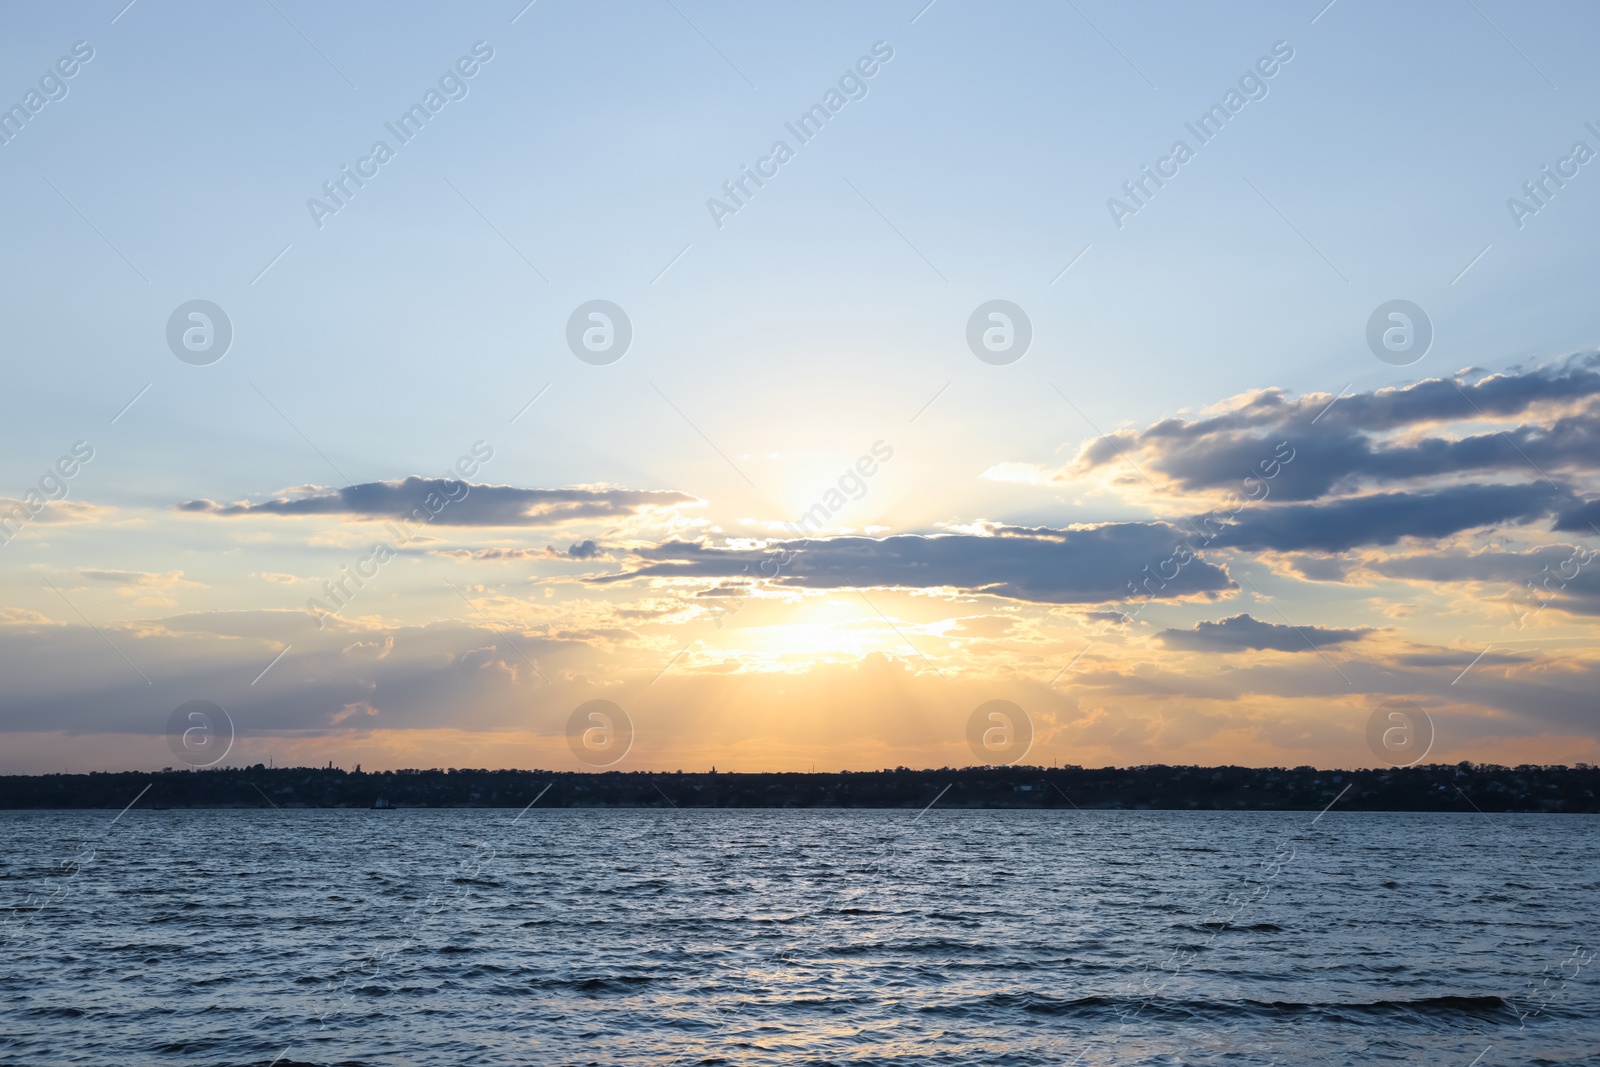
[472, 505]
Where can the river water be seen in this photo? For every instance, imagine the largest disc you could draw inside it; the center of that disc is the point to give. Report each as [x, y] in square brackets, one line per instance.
[556, 936]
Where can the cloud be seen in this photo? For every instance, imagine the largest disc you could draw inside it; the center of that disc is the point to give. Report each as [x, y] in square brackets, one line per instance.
[492, 555]
[134, 580]
[25, 617]
[1557, 577]
[1116, 618]
[55, 511]
[988, 627]
[479, 657]
[1320, 568]
[1488, 565]
[1341, 445]
[1460, 659]
[454, 503]
[1079, 565]
[1585, 518]
[66, 677]
[577, 550]
[1242, 632]
[1384, 518]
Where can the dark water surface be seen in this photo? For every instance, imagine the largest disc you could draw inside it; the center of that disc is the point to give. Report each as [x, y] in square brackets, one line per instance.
[789, 937]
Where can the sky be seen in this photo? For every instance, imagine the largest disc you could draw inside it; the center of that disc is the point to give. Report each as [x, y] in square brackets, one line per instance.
[1202, 385]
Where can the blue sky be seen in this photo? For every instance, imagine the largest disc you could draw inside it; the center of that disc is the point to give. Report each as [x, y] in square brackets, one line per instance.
[768, 353]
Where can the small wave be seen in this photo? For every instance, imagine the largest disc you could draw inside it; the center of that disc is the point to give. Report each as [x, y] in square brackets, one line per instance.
[55, 1013]
[624, 983]
[827, 1002]
[656, 884]
[1446, 1007]
[918, 947]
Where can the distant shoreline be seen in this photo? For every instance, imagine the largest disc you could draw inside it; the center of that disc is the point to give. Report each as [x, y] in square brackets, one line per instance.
[1461, 787]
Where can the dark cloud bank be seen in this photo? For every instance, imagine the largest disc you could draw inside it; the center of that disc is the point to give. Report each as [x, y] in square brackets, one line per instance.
[1087, 565]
